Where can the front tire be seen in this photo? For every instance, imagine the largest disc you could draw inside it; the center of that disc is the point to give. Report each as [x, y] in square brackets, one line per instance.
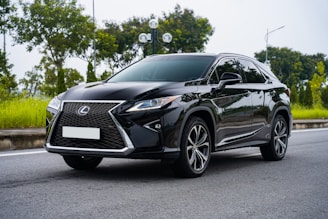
[277, 147]
[195, 151]
[81, 162]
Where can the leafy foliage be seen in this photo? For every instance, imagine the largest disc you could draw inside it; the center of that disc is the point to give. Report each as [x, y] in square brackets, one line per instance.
[8, 83]
[308, 99]
[293, 94]
[58, 28]
[190, 33]
[91, 76]
[126, 36]
[324, 97]
[301, 95]
[317, 81]
[6, 11]
[72, 77]
[31, 81]
[292, 67]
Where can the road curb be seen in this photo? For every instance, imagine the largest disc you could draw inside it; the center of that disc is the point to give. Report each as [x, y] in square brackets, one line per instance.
[17, 139]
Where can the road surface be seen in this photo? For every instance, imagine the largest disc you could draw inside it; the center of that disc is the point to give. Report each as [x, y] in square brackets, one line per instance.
[237, 184]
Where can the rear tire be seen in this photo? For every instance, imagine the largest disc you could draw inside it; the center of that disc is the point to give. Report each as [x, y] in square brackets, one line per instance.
[277, 147]
[195, 151]
[81, 162]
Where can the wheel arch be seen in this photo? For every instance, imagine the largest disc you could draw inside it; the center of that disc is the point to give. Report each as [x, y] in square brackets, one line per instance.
[204, 113]
[284, 111]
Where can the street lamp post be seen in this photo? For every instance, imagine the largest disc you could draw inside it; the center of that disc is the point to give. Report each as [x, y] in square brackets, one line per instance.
[152, 37]
[267, 42]
[94, 37]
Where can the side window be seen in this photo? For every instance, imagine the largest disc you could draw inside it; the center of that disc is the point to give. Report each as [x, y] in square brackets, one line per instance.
[225, 65]
[252, 73]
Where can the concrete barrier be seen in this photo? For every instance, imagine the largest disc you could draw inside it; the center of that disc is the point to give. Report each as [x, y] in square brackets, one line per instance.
[311, 123]
[16, 139]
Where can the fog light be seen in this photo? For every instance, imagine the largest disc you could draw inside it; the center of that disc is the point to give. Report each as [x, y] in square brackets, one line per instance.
[154, 126]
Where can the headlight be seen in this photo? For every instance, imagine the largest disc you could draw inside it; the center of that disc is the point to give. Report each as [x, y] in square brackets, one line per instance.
[55, 102]
[152, 104]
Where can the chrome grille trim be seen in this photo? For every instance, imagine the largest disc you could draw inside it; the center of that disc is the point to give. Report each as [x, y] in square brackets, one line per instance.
[129, 147]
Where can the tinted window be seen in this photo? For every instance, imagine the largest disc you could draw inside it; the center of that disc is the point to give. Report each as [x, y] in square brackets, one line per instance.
[252, 73]
[165, 68]
[225, 65]
[267, 72]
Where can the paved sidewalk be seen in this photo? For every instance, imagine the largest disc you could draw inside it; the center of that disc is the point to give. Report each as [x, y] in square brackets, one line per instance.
[13, 139]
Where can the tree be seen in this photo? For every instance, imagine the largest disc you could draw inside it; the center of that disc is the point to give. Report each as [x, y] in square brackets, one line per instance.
[308, 100]
[105, 75]
[8, 83]
[72, 77]
[6, 10]
[285, 63]
[293, 94]
[316, 83]
[190, 33]
[58, 28]
[126, 41]
[31, 81]
[301, 96]
[290, 66]
[324, 97]
[91, 76]
[49, 85]
[106, 46]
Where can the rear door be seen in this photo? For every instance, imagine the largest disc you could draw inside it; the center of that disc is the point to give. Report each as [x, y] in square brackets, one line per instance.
[258, 87]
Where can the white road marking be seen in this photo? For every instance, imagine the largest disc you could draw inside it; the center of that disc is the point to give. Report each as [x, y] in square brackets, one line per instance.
[310, 130]
[22, 153]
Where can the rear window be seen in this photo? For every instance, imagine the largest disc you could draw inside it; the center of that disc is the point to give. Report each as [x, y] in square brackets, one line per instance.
[165, 68]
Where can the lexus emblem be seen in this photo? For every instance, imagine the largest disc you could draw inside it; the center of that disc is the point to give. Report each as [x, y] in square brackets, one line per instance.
[83, 110]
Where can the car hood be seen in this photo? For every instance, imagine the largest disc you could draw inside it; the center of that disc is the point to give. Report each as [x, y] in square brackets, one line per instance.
[123, 90]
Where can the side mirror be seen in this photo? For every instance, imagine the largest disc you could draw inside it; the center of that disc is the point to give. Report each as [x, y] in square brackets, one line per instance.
[229, 78]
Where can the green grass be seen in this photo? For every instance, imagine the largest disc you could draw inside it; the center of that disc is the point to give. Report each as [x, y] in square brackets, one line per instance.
[299, 112]
[23, 113]
[31, 113]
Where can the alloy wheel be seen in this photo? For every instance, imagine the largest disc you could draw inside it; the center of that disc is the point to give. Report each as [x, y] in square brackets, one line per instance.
[198, 147]
[280, 138]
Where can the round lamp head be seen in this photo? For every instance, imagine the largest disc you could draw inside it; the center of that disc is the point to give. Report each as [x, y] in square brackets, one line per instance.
[167, 37]
[153, 23]
[143, 38]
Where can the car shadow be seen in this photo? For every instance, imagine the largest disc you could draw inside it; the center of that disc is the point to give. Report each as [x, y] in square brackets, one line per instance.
[152, 170]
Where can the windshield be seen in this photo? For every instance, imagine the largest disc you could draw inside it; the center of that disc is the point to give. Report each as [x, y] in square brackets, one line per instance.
[165, 68]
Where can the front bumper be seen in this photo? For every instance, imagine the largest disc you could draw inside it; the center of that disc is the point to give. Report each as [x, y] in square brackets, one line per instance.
[134, 135]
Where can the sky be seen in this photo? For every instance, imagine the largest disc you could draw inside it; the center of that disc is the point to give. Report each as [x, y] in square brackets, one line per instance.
[240, 26]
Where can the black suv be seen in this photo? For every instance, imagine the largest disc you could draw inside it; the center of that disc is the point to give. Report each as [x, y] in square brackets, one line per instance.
[175, 107]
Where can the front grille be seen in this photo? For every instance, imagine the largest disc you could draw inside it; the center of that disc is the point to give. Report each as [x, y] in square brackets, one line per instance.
[97, 117]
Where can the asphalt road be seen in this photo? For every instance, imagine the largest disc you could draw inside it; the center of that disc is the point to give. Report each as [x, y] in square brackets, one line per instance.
[238, 184]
